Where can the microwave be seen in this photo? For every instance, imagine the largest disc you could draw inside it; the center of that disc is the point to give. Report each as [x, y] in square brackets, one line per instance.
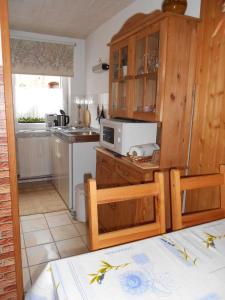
[120, 135]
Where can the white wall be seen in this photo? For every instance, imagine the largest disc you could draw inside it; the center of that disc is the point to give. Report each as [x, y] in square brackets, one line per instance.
[96, 43]
[78, 82]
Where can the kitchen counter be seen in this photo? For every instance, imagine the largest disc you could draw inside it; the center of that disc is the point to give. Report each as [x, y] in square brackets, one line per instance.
[113, 170]
[33, 133]
[77, 135]
[68, 134]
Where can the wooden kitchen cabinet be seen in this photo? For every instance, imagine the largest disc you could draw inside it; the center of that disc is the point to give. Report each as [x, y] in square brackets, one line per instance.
[114, 171]
[147, 71]
[157, 52]
[120, 59]
[160, 84]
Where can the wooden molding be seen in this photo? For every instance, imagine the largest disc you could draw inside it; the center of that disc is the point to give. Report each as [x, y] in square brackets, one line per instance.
[208, 133]
[141, 20]
[7, 76]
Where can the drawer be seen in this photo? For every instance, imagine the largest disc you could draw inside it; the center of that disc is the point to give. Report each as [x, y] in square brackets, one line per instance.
[132, 175]
[104, 161]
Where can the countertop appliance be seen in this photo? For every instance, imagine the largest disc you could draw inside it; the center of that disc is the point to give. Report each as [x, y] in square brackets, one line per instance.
[50, 120]
[62, 120]
[120, 135]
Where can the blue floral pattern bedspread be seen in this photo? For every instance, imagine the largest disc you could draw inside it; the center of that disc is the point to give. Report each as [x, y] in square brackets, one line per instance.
[187, 264]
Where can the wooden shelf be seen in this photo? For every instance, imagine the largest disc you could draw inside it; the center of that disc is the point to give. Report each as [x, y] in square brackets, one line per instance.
[147, 116]
[152, 76]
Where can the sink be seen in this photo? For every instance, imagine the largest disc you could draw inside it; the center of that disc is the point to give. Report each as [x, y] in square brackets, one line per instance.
[32, 130]
[79, 130]
[82, 132]
[77, 135]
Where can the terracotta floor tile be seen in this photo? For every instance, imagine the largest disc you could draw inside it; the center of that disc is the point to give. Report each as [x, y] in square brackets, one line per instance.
[42, 253]
[39, 197]
[58, 220]
[64, 232]
[34, 225]
[35, 271]
[71, 247]
[35, 238]
[26, 279]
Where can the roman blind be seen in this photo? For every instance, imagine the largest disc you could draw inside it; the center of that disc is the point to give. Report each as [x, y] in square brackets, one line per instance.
[41, 58]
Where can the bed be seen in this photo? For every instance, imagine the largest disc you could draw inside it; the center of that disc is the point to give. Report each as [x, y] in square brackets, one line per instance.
[186, 264]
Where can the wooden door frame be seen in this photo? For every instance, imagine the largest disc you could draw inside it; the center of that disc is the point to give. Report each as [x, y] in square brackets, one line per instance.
[7, 77]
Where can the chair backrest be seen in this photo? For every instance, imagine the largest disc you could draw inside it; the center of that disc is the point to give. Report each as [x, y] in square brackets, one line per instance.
[179, 184]
[119, 194]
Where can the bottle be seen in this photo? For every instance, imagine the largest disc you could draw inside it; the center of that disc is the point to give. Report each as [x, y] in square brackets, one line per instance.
[86, 117]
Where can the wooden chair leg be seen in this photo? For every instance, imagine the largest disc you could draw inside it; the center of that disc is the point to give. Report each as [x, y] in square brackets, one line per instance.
[160, 207]
[222, 187]
[176, 199]
[93, 214]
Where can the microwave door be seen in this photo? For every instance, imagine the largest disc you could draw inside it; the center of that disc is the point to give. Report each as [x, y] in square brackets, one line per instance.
[108, 134]
[108, 137]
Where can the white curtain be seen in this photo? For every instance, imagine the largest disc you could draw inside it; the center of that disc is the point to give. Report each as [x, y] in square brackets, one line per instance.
[41, 58]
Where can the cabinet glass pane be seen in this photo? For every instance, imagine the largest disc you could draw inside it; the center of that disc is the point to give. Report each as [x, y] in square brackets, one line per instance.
[122, 95]
[153, 53]
[139, 94]
[140, 55]
[150, 96]
[115, 86]
[124, 60]
[116, 64]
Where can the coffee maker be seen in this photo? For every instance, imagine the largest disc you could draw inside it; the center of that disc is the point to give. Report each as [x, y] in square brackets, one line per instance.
[50, 120]
[63, 119]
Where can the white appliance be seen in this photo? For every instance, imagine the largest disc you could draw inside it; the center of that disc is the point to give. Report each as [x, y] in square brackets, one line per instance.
[120, 135]
[70, 163]
[50, 120]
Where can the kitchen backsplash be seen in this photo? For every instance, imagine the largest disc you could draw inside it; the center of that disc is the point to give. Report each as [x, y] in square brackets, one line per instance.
[100, 99]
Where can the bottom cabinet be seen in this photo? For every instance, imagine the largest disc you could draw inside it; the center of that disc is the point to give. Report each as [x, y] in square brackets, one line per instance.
[112, 172]
[34, 157]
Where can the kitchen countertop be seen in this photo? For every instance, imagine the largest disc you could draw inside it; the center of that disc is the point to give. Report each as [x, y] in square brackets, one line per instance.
[76, 135]
[33, 133]
[126, 161]
[68, 134]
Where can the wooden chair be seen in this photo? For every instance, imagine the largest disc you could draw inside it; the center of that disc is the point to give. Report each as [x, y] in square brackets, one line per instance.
[179, 184]
[119, 194]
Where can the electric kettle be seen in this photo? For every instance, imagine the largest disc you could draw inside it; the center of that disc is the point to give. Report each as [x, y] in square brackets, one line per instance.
[63, 119]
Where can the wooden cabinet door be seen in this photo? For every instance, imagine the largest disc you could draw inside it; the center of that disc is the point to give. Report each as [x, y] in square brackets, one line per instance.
[147, 73]
[34, 157]
[119, 80]
[111, 172]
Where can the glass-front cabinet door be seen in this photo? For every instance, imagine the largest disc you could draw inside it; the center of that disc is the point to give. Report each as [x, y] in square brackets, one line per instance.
[147, 56]
[119, 80]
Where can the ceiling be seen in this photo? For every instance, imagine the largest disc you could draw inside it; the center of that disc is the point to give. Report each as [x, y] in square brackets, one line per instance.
[69, 18]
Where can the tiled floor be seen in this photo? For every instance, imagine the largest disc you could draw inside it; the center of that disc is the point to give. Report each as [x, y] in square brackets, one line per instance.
[49, 236]
[39, 197]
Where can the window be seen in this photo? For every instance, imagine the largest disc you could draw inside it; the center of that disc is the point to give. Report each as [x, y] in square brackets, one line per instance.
[37, 95]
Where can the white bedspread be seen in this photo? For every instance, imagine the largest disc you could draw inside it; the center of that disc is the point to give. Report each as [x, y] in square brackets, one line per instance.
[187, 264]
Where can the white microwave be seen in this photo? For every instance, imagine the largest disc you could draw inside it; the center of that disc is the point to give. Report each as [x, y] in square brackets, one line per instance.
[120, 135]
